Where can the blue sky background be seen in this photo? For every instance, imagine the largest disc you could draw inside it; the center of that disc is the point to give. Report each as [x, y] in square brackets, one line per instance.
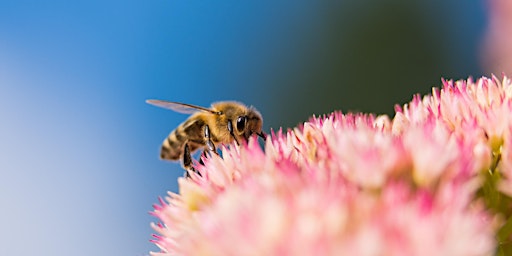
[79, 167]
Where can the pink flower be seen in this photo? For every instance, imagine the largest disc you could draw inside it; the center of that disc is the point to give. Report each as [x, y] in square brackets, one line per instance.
[354, 184]
[496, 54]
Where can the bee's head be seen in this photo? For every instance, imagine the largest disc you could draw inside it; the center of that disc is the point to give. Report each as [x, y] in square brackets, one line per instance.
[250, 124]
[241, 121]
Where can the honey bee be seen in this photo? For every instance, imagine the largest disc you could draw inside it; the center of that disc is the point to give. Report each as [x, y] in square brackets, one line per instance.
[223, 123]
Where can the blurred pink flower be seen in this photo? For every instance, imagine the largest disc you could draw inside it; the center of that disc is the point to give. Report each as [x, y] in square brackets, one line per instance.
[496, 53]
[355, 184]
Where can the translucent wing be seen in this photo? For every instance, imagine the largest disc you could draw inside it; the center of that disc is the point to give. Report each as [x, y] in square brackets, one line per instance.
[180, 107]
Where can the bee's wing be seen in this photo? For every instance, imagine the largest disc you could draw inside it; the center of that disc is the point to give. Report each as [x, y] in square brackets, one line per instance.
[180, 107]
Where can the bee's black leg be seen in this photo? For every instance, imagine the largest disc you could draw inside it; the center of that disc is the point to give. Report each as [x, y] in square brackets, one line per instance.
[262, 135]
[204, 154]
[231, 132]
[208, 140]
[187, 162]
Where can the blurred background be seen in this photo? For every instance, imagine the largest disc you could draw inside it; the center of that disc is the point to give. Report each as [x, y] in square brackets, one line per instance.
[79, 166]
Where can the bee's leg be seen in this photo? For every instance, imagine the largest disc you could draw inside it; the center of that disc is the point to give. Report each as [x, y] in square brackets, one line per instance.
[208, 140]
[262, 135]
[187, 162]
[204, 154]
[231, 132]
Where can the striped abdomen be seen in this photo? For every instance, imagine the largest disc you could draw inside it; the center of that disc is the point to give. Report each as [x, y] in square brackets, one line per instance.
[191, 132]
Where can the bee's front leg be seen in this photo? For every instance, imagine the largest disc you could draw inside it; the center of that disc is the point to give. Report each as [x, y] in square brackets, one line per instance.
[208, 140]
[187, 162]
[231, 132]
[203, 155]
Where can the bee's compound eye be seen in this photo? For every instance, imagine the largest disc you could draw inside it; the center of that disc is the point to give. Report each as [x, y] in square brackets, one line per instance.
[240, 123]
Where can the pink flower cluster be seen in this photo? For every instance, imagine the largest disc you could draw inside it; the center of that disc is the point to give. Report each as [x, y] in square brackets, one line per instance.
[356, 184]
